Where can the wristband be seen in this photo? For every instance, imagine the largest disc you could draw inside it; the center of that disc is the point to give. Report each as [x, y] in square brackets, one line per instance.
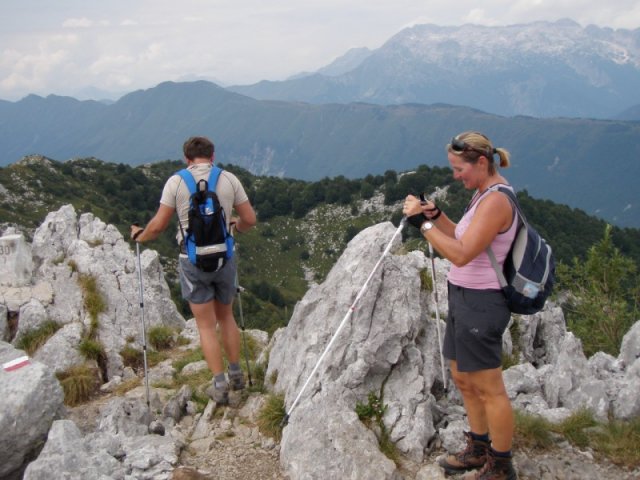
[438, 213]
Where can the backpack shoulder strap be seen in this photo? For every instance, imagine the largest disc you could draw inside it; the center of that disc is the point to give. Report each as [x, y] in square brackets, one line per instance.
[214, 174]
[512, 198]
[492, 257]
[187, 176]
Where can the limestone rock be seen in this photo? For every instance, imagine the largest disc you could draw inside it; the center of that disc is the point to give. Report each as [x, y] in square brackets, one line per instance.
[630, 348]
[67, 452]
[388, 340]
[31, 400]
[16, 263]
[627, 402]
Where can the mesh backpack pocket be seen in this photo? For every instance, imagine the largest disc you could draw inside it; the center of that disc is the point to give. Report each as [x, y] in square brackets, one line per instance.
[528, 274]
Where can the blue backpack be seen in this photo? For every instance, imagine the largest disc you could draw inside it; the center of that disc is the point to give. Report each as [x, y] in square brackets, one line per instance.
[528, 273]
[207, 243]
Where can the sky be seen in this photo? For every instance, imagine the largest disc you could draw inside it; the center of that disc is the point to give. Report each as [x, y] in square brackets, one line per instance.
[90, 49]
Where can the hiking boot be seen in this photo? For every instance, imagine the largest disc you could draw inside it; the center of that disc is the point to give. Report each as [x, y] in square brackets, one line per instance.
[496, 468]
[219, 394]
[473, 456]
[236, 380]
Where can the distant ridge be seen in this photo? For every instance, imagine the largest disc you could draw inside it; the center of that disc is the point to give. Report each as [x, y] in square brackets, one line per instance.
[566, 160]
[540, 69]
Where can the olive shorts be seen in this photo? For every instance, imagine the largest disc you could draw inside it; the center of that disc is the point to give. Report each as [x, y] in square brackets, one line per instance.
[475, 324]
[202, 287]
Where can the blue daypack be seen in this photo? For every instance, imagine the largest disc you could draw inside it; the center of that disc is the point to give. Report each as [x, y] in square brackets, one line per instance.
[528, 273]
[207, 242]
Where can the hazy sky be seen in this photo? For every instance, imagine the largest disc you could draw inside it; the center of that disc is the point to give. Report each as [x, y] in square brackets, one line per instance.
[66, 46]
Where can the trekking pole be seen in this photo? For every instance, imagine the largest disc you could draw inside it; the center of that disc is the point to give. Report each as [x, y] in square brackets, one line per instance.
[285, 419]
[435, 297]
[144, 331]
[239, 290]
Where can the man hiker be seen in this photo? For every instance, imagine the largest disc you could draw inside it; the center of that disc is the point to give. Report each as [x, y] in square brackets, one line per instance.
[209, 293]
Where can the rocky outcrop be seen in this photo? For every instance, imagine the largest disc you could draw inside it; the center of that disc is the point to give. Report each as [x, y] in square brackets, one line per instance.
[66, 249]
[117, 439]
[389, 347]
[30, 401]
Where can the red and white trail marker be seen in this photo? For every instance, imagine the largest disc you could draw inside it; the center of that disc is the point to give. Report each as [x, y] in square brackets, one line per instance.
[16, 363]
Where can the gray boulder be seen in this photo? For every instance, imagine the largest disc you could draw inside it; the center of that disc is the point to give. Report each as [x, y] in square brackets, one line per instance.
[32, 315]
[630, 347]
[65, 250]
[31, 400]
[626, 405]
[541, 335]
[60, 352]
[16, 267]
[388, 346]
[69, 455]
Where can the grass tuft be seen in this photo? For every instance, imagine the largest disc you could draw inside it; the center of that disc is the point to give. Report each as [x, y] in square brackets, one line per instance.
[92, 350]
[33, 339]
[576, 427]
[162, 337]
[78, 384]
[617, 440]
[94, 303]
[532, 431]
[620, 442]
[426, 282]
[271, 416]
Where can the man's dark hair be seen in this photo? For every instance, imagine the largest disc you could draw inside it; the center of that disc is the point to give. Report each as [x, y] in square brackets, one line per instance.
[198, 147]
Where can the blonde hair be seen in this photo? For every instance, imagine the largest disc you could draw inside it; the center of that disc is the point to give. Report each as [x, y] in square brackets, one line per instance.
[479, 145]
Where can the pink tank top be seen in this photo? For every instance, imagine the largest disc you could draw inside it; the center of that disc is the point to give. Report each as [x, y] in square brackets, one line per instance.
[478, 274]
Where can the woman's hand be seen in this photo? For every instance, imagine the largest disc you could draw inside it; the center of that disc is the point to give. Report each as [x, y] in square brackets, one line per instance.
[411, 206]
[414, 212]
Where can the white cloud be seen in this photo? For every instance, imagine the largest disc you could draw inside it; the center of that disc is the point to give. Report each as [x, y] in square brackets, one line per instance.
[78, 23]
[140, 44]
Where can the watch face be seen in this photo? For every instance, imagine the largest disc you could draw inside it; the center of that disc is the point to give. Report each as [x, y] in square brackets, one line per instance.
[426, 226]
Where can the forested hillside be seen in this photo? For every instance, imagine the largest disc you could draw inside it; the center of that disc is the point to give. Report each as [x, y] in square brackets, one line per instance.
[303, 226]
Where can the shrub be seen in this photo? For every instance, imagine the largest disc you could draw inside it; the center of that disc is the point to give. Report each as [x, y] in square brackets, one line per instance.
[605, 294]
[371, 414]
[33, 339]
[372, 411]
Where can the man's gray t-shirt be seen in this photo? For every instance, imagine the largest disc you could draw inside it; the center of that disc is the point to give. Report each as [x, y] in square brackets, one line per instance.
[176, 194]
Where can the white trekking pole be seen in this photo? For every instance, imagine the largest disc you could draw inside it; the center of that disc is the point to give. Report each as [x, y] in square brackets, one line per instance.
[285, 420]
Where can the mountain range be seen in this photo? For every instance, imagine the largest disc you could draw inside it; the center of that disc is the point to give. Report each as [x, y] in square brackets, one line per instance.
[566, 160]
[493, 79]
[541, 69]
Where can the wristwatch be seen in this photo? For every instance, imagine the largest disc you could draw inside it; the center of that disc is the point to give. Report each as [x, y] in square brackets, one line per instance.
[425, 227]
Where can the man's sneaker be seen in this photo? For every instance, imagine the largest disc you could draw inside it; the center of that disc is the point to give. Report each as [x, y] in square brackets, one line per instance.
[473, 456]
[496, 468]
[236, 380]
[219, 394]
